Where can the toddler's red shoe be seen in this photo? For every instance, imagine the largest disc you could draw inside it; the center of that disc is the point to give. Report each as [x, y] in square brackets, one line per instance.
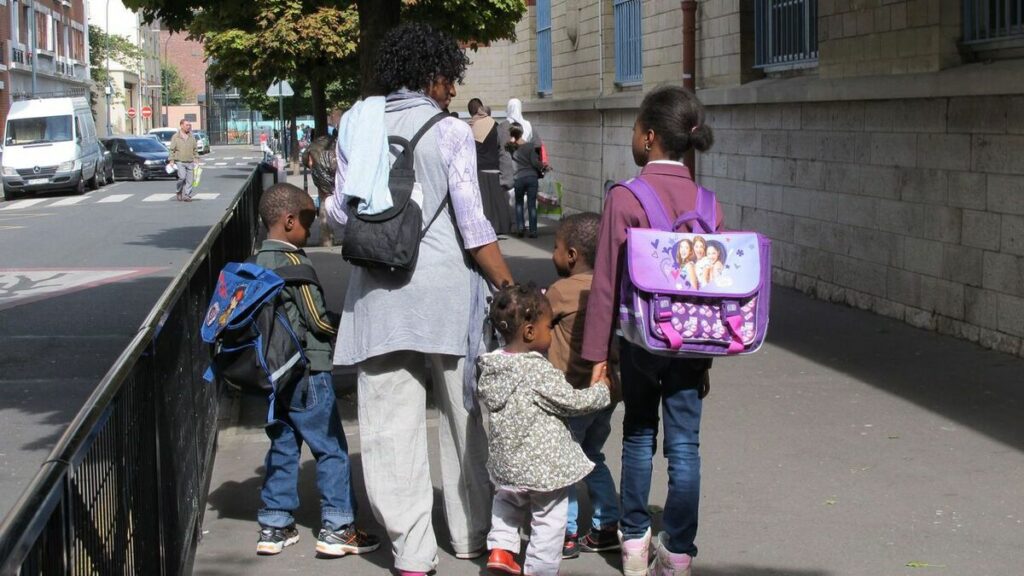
[503, 561]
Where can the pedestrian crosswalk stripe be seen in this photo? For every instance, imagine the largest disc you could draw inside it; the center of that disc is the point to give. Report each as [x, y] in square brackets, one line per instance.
[69, 201]
[114, 198]
[221, 164]
[24, 204]
[228, 158]
[206, 196]
[158, 197]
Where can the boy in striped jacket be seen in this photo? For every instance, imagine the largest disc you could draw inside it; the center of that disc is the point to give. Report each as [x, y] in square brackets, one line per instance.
[311, 415]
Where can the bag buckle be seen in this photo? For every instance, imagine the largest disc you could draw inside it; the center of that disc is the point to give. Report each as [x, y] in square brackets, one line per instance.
[662, 308]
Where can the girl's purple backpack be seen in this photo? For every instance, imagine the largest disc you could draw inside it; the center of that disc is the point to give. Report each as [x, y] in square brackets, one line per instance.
[693, 294]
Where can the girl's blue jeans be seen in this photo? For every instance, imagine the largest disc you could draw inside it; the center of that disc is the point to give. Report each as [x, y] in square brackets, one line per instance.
[592, 431]
[526, 190]
[650, 383]
[311, 418]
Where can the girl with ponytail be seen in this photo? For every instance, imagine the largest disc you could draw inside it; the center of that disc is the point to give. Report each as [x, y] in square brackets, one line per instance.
[669, 124]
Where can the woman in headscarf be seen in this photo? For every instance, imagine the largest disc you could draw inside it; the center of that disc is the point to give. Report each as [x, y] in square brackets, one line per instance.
[489, 150]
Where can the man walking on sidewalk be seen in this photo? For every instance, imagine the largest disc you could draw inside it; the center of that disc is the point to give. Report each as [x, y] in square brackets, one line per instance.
[183, 155]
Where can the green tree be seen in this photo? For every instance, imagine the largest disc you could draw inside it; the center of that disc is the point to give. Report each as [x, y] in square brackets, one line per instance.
[174, 91]
[119, 48]
[330, 43]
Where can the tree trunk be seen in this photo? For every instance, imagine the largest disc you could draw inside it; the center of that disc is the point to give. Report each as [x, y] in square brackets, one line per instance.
[376, 17]
[318, 95]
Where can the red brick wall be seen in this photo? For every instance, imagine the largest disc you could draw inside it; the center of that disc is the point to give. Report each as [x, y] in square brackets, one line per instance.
[187, 56]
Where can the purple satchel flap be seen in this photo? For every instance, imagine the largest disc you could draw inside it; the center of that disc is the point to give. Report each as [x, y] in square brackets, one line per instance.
[726, 265]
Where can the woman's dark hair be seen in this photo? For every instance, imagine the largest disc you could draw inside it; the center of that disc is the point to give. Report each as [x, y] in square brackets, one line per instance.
[515, 130]
[514, 305]
[677, 118]
[413, 56]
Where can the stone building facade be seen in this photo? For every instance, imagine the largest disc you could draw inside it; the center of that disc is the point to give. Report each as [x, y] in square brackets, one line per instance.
[884, 155]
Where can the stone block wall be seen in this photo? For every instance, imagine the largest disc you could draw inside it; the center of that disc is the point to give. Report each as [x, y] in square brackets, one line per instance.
[866, 37]
[911, 208]
[725, 43]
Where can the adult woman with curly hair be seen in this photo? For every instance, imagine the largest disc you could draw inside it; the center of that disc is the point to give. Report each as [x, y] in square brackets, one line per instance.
[399, 334]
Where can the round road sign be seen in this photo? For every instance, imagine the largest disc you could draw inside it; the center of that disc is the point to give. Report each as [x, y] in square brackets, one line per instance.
[131, 112]
[147, 112]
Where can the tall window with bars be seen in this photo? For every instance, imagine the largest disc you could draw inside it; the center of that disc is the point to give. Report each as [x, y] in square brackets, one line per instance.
[629, 64]
[544, 79]
[987, 20]
[785, 33]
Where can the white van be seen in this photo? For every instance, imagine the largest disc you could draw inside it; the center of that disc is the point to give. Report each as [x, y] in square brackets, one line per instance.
[49, 144]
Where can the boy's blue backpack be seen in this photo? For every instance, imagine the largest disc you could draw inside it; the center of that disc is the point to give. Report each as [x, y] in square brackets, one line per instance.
[253, 346]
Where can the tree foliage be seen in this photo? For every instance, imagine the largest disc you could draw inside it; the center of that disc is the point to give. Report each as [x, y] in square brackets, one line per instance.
[328, 43]
[119, 48]
[175, 90]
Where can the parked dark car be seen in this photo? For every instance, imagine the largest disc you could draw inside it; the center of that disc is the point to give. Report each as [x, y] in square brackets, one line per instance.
[138, 157]
[105, 171]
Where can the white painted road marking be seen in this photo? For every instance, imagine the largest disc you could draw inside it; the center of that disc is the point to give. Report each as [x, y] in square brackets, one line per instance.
[24, 204]
[115, 198]
[206, 196]
[158, 197]
[221, 164]
[69, 201]
[23, 285]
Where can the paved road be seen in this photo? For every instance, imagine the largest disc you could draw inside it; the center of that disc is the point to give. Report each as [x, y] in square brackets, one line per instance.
[78, 274]
[851, 445]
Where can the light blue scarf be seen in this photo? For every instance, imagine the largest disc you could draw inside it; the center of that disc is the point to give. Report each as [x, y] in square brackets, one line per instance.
[363, 142]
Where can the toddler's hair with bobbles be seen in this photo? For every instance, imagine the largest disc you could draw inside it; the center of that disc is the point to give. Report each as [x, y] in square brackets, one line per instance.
[514, 305]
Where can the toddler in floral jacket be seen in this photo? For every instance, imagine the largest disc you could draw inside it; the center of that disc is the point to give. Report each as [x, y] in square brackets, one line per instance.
[533, 456]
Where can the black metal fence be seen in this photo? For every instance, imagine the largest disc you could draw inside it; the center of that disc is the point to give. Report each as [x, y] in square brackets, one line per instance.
[124, 490]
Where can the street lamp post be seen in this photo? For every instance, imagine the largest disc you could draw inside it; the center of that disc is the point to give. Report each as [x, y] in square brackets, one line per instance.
[108, 88]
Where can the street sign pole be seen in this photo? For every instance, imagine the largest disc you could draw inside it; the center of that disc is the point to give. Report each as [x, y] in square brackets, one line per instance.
[280, 116]
[282, 89]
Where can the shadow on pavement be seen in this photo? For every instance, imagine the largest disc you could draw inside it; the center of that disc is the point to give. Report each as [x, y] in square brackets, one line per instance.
[182, 238]
[976, 387]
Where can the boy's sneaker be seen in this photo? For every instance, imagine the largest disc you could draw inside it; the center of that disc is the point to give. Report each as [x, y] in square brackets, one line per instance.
[570, 549]
[348, 540]
[273, 540]
[600, 540]
[635, 552]
[503, 561]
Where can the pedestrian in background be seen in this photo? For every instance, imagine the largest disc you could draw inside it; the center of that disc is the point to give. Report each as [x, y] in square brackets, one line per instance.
[322, 163]
[529, 170]
[182, 154]
[488, 157]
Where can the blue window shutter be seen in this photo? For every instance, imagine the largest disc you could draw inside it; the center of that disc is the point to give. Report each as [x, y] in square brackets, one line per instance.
[629, 66]
[544, 46]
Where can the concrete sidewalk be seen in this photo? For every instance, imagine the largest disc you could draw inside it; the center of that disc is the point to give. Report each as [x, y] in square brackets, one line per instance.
[850, 445]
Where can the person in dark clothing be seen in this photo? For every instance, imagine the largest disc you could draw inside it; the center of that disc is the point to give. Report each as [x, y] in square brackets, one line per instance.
[488, 167]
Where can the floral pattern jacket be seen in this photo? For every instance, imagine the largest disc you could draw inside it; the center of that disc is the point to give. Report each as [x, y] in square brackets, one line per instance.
[527, 400]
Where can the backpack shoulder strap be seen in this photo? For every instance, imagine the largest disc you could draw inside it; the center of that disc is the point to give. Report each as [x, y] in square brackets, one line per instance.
[298, 274]
[650, 202]
[426, 126]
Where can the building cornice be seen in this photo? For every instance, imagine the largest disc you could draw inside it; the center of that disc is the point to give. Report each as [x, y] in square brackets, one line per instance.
[982, 79]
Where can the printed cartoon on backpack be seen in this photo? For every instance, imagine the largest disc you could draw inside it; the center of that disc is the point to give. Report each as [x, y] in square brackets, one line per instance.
[253, 347]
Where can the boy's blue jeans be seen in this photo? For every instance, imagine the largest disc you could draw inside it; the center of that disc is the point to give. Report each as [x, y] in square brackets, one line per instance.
[311, 418]
[651, 382]
[591, 431]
